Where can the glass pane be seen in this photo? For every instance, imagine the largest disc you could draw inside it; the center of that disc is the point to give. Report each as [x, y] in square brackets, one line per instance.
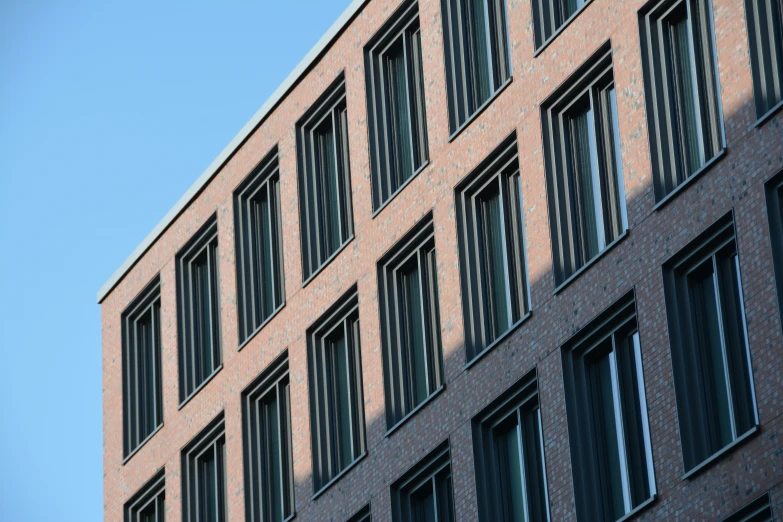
[507, 445]
[445, 497]
[423, 504]
[399, 114]
[478, 33]
[207, 488]
[414, 326]
[607, 424]
[617, 161]
[686, 92]
[329, 189]
[264, 256]
[344, 401]
[148, 514]
[272, 474]
[495, 252]
[587, 191]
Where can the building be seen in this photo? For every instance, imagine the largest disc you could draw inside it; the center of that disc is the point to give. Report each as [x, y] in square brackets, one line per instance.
[474, 260]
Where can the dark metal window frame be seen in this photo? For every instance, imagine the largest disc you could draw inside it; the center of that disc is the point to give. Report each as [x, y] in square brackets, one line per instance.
[519, 401]
[500, 167]
[147, 302]
[759, 510]
[344, 313]
[363, 515]
[661, 84]
[190, 331]
[417, 247]
[331, 107]
[272, 384]
[211, 439]
[152, 495]
[464, 102]
[715, 244]
[774, 193]
[583, 408]
[399, 30]
[765, 42]
[262, 184]
[431, 470]
[588, 86]
[555, 11]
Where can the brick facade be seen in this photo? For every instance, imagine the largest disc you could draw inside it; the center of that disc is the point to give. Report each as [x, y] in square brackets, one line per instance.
[753, 155]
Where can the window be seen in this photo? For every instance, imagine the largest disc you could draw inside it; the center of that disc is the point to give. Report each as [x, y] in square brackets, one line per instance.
[492, 254]
[141, 375]
[336, 398]
[759, 510]
[477, 59]
[765, 34]
[681, 88]
[324, 179]
[606, 406]
[362, 516]
[259, 252]
[149, 504]
[774, 190]
[424, 493]
[395, 103]
[204, 475]
[550, 16]
[410, 326]
[198, 310]
[508, 446]
[713, 380]
[583, 165]
[269, 465]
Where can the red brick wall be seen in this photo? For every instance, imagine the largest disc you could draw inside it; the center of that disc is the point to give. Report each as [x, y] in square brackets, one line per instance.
[753, 155]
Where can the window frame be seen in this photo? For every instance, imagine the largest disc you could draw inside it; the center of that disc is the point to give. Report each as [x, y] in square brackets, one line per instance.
[386, 176]
[748, 513]
[331, 106]
[213, 437]
[344, 313]
[581, 355]
[427, 470]
[152, 493]
[764, 54]
[696, 432]
[363, 515]
[147, 301]
[263, 178]
[520, 400]
[773, 189]
[540, 39]
[501, 166]
[274, 380]
[203, 241]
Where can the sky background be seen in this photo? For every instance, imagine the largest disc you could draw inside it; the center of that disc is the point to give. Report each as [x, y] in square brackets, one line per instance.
[109, 111]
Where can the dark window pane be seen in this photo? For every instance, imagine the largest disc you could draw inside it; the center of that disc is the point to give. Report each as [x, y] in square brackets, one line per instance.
[400, 116]
[510, 463]
[494, 251]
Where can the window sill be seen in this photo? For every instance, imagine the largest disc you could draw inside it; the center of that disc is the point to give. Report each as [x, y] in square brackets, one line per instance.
[337, 477]
[261, 326]
[560, 29]
[414, 411]
[716, 456]
[141, 445]
[199, 388]
[497, 341]
[638, 509]
[688, 182]
[399, 189]
[327, 261]
[480, 110]
[767, 116]
[559, 288]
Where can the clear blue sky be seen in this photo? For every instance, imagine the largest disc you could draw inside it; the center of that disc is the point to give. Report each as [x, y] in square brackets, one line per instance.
[108, 112]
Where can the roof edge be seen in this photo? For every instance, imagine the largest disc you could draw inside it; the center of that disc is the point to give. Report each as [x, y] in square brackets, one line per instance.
[304, 66]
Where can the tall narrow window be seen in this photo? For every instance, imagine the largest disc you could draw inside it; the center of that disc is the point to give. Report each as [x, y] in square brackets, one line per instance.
[508, 446]
[269, 465]
[336, 397]
[198, 310]
[549, 16]
[583, 165]
[149, 504]
[774, 191]
[141, 371]
[765, 35]
[609, 435]
[492, 254]
[395, 103]
[713, 379]
[410, 325]
[324, 178]
[425, 492]
[477, 58]
[259, 253]
[204, 475]
[681, 88]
